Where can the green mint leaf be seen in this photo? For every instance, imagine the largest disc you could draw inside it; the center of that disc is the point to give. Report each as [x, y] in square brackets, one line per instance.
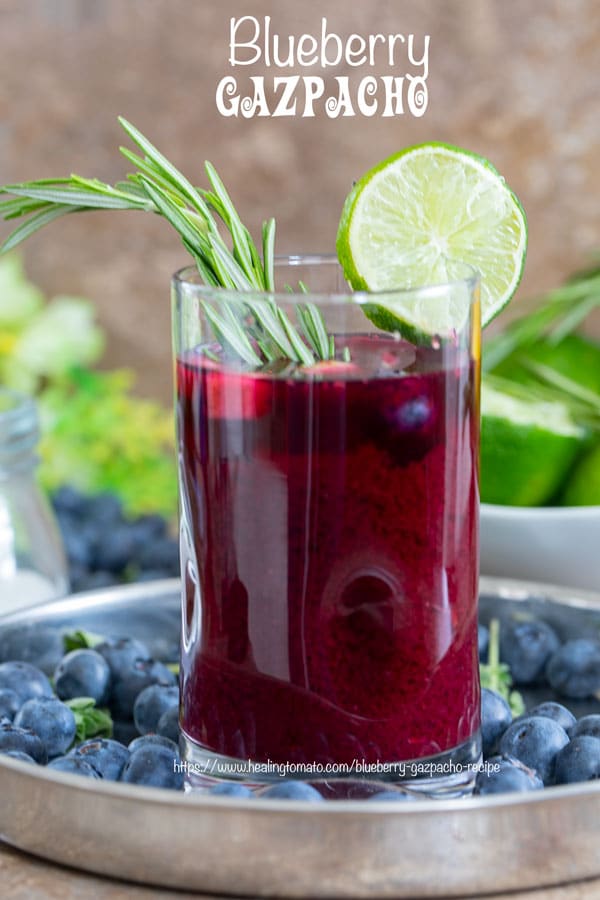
[90, 720]
[81, 640]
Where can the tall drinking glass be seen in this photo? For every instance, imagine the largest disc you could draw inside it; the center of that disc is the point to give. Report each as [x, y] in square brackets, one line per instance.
[329, 533]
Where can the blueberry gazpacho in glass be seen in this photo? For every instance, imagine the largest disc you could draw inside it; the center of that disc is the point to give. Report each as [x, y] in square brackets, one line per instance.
[329, 546]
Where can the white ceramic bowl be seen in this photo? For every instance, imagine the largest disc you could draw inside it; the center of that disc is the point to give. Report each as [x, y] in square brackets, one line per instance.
[552, 545]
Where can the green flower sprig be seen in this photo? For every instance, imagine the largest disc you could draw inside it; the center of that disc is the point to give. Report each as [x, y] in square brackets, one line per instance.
[495, 675]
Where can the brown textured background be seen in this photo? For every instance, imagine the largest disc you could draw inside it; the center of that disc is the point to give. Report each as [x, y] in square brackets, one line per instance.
[518, 82]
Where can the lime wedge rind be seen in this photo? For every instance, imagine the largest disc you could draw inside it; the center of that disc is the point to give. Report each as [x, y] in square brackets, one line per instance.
[551, 415]
[528, 447]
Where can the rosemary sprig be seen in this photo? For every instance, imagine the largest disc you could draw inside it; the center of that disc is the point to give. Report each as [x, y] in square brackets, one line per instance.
[559, 313]
[577, 392]
[583, 404]
[314, 330]
[254, 330]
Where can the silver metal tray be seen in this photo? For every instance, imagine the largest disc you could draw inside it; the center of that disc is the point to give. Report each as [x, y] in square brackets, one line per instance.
[290, 849]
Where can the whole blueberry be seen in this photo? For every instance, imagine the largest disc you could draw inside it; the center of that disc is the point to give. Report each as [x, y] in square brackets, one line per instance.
[154, 766]
[150, 705]
[83, 673]
[231, 789]
[409, 429]
[52, 721]
[160, 553]
[589, 725]
[121, 653]
[415, 413]
[526, 647]
[555, 711]
[124, 732]
[18, 754]
[114, 550]
[142, 673]
[574, 669]
[73, 765]
[41, 645]
[506, 775]
[168, 724]
[76, 573]
[146, 739]
[9, 704]
[14, 738]
[78, 542]
[107, 757]
[105, 508]
[578, 761]
[291, 790]
[483, 641]
[146, 529]
[495, 719]
[535, 742]
[389, 797]
[25, 680]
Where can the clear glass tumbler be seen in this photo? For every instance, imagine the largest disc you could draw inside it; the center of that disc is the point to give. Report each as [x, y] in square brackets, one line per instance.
[329, 530]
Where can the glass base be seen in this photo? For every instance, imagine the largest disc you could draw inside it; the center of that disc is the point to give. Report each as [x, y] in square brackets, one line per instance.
[445, 775]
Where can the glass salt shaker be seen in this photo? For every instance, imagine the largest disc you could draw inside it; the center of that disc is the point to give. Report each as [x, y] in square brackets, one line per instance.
[32, 562]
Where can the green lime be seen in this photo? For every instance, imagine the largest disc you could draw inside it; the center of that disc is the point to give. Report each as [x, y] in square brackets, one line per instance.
[527, 448]
[583, 487]
[416, 219]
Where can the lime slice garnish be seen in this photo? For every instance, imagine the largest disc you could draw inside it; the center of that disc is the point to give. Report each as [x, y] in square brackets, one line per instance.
[527, 448]
[416, 219]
